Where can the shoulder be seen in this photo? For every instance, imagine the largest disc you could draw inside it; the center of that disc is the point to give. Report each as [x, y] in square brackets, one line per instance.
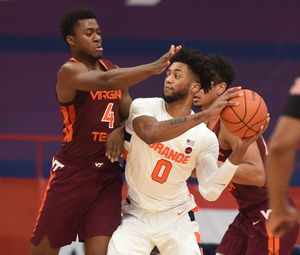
[154, 101]
[145, 106]
[71, 68]
[205, 134]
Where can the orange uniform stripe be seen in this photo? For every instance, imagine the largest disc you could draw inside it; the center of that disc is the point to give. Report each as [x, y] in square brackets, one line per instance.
[103, 64]
[125, 154]
[69, 118]
[273, 242]
[198, 237]
[43, 201]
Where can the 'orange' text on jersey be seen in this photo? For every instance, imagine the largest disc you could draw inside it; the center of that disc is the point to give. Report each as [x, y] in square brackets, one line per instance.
[170, 153]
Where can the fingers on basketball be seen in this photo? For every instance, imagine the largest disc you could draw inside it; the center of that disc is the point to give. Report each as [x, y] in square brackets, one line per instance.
[246, 118]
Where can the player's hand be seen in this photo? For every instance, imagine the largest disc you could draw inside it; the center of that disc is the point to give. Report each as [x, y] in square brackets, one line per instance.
[216, 108]
[114, 145]
[283, 220]
[161, 64]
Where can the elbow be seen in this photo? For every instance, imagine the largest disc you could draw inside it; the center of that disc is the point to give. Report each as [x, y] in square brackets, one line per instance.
[147, 138]
[210, 194]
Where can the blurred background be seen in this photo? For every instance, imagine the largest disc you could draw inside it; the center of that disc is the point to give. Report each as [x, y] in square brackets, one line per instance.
[260, 38]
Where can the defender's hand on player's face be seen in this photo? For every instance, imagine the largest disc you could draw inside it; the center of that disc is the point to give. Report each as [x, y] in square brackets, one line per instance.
[216, 108]
[162, 63]
[114, 145]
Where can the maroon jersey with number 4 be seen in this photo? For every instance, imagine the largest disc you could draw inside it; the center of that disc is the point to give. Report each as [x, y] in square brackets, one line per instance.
[89, 119]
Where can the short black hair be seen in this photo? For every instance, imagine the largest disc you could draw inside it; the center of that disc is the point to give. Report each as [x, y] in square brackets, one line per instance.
[201, 68]
[224, 69]
[70, 20]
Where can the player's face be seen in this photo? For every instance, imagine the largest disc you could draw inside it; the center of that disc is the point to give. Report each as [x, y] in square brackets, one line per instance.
[87, 39]
[177, 82]
[204, 101]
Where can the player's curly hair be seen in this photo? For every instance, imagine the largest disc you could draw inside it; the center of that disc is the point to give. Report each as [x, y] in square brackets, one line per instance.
[70, 20]
[224, 69]
[200, 67]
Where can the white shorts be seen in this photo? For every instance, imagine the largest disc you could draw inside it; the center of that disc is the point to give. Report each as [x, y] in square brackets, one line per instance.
[172, 231]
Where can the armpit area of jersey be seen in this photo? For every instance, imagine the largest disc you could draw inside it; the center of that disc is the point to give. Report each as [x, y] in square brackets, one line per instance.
[292, 107]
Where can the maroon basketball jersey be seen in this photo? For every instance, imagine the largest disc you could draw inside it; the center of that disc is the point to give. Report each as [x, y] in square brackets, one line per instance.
[89, 119]
[246, 195]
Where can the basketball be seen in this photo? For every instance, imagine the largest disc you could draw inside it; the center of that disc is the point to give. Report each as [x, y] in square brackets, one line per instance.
[245, 119]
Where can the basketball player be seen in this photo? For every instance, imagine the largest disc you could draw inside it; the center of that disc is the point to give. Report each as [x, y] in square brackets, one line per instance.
[165, 141]
[248, 234]
[280, 163]
[84, 192]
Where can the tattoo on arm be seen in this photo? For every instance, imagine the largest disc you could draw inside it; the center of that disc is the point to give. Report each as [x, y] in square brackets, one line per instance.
[198, 119]
[173, 122]
[178, 120]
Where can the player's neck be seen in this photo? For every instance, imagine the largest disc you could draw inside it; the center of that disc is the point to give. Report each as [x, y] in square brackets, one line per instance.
[178, 109]
[91, 63]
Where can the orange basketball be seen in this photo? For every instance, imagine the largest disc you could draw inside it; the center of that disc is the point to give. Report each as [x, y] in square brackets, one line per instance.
[245, 119]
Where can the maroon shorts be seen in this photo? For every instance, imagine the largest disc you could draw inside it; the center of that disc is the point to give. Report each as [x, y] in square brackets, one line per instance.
[82, 197]
[248, 235]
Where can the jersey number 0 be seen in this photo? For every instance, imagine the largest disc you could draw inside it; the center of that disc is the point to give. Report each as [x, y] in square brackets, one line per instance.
[161, 171]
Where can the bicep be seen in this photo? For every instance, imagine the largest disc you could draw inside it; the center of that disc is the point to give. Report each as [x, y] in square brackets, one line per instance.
[76, 76]
[143, 125]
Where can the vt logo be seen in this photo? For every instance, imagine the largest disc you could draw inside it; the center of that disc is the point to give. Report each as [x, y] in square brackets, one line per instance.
[98, 165]
[266, 214]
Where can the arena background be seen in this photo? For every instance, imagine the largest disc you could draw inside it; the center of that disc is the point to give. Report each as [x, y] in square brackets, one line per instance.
[260, 38]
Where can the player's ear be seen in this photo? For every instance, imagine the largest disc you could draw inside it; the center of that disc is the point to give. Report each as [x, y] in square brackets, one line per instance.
[70, 40]
[196, 87]
[221, 88]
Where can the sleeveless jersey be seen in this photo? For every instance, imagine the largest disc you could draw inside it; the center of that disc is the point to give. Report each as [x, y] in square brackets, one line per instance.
[156, 174]
[247, 196]
[89, 119]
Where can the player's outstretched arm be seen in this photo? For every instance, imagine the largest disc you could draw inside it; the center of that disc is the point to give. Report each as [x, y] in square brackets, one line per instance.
[75, 76]
[152, 131]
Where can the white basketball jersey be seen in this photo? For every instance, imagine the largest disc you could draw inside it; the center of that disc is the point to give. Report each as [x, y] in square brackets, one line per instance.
[156, 174]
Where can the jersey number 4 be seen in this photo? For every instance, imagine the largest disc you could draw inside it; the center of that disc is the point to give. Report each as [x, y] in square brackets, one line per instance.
[109, 115]
[161, 171]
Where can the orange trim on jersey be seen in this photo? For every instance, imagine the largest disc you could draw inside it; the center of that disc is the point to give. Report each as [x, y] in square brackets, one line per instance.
[273, 242]
[125, 154]
[69, 118]
[196, 209]
[103, 64]
[213, 126]
[43, 201]
[198, 237]
[73, 59]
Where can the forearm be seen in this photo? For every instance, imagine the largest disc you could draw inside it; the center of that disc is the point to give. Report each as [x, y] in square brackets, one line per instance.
[279, 165]
[237, 154]
[212, 186]
[249, 174]
[161, 131]
[280, 160]
[121, 78]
